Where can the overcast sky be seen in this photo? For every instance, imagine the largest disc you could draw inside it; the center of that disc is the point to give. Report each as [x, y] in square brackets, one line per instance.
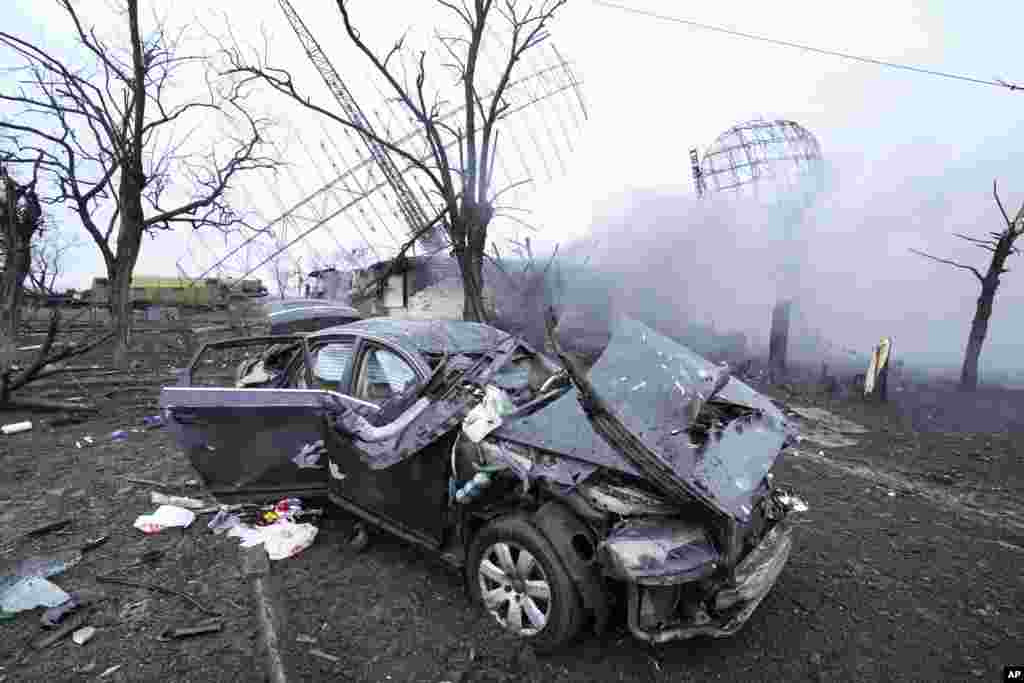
[911, 157]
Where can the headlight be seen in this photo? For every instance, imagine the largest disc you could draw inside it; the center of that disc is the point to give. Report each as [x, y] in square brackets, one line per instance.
[658, 550]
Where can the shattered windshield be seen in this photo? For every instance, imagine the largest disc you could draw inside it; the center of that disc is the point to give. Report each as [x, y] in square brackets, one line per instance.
[659, 387]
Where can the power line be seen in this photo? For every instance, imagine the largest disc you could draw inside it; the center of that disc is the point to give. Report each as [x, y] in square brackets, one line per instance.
[785, 43]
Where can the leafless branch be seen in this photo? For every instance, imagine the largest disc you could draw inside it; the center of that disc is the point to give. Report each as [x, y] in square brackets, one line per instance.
[974, 270]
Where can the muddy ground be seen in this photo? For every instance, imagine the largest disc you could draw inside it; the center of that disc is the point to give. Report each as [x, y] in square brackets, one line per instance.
[906, 567]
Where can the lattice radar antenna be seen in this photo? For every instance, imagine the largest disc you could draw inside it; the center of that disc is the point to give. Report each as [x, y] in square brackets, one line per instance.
[779, 165]
[343, 209]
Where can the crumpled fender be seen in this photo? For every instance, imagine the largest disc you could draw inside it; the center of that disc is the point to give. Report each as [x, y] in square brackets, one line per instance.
[563, 528]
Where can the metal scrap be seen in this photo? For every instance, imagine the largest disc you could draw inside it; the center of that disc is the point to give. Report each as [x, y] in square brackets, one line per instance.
[212, 626]
[323, 655]
[160, 589]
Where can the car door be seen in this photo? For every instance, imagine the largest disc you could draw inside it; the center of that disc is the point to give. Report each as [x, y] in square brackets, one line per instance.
[262, 443]
[410, 496]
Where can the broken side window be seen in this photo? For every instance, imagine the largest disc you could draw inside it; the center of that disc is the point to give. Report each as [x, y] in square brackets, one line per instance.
[330, 362]
[382, 375]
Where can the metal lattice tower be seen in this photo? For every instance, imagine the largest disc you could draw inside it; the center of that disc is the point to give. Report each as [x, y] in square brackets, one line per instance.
[355, 216]
[407, 201]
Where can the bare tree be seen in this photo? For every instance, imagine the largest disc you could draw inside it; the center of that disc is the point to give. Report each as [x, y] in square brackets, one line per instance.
[21, 218]
[459, 168]
[21, 223]
[49, 257]
[1001, 244]
[115, 140]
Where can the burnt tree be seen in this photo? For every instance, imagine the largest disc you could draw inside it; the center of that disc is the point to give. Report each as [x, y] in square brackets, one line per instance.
[1001, 244]
[113, 138]
[459, 166]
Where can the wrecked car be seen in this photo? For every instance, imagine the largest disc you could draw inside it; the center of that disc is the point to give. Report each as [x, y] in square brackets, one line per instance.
[562, 493]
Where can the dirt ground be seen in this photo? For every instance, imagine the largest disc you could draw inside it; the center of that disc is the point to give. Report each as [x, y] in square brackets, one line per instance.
[906, 567]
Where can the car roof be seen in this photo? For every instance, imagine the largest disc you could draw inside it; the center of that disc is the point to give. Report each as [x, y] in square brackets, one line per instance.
[426, 336]
[272, 308]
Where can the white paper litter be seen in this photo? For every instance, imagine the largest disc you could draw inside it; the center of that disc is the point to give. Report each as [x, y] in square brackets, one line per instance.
[281, 539]
[249, 536]
[165, 517]
[285, 539]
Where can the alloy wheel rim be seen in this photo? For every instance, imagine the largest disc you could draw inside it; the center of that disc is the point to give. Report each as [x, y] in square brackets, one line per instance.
[514, 588]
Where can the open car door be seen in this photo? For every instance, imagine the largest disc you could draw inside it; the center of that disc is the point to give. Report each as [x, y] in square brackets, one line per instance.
[251, 436]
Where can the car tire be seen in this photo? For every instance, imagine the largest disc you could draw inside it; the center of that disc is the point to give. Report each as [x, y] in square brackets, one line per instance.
[497, 568]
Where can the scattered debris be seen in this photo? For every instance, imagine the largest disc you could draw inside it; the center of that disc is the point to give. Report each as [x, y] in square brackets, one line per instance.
[223, 521]
[148, 482]
[54, 615]
[134, 610]
[792, 502]
[25, 586]
[286, 539]
[83, 635]
[360, 539]
[73, 624]
[831, 420]
[110, 670]
[65, 420]
[211, 626]
[308, 640]
[148, 557]
[157, 498]
[16, 427]
[276, 527]
[153, 421]
[309, 456]
[160, 589]
[165, 516]
[323, 655]
[30, 592]
[47, 528]
[486, 416]
[38, 531]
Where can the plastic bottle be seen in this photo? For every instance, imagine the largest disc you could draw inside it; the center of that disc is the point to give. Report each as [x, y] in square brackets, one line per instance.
[16, 427]
[472, 487]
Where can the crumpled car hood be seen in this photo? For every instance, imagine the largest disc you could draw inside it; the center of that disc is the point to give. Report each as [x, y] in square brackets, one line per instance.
[655, 386]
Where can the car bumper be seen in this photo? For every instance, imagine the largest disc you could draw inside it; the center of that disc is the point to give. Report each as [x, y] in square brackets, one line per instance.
[733, 604]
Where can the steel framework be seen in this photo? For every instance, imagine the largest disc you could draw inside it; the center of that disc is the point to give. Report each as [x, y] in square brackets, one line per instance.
[368, 195]
[408, 204]
[778, 163]
[752, 154]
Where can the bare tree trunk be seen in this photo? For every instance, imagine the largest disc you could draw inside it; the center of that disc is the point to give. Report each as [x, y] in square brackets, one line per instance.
[471, 261]
[16, 267]
[19, 226]
[129, 240]
[979, 329]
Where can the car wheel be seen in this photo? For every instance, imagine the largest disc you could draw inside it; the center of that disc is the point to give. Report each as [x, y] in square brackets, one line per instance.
[515, 574]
